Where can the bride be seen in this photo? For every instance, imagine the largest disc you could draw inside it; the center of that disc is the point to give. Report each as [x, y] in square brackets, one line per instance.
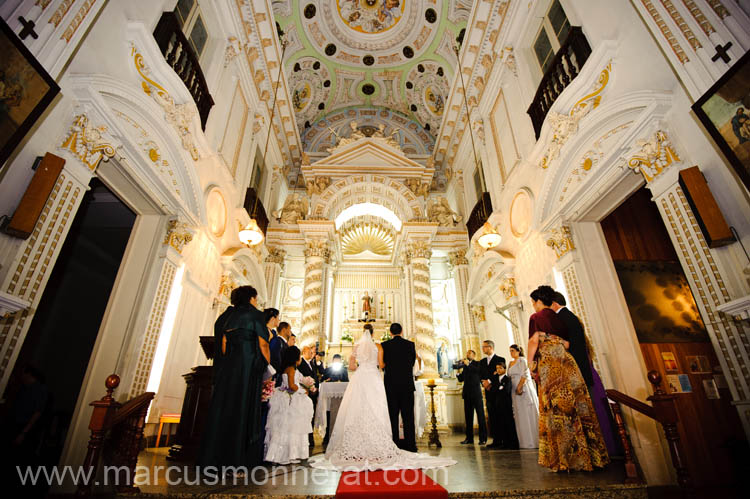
[362, 439]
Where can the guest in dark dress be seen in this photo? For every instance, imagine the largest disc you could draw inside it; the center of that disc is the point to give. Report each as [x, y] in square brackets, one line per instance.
[580, 349]
[569, 433]
[502, 388]
[233, 435]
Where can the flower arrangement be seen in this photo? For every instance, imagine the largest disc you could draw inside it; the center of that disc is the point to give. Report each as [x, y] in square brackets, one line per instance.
[268, 387]
[386, 336]
[347, 337]
[308, 383]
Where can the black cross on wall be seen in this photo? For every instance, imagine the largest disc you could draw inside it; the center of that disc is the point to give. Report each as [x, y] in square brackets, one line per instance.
[721, 53]
[28, 29]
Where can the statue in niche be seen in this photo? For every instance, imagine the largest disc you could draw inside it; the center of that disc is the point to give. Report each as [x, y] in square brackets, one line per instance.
[295, 208]
[366, 308]
[440, 212]
[443, 362]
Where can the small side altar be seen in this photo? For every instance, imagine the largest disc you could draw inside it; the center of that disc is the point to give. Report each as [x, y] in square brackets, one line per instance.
[353, 329]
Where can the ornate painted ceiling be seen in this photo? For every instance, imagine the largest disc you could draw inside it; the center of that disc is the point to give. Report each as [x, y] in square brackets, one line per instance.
[376, 62]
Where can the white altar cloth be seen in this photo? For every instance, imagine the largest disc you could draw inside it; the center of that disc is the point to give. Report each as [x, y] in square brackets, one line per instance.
[332, 392]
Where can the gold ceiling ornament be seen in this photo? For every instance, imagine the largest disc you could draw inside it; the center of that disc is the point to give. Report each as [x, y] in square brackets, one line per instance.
[367, 236]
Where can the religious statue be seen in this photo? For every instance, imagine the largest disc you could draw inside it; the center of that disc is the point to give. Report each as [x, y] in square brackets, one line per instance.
[366, 306]
[440, 212]
[417, 187]
[295, 208]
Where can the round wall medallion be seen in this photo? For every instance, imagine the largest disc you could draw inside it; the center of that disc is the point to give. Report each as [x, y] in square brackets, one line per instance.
[370, 16]
[216, 211]
[520, 213]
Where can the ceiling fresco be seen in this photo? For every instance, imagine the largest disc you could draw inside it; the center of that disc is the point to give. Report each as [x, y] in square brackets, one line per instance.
[376, 62]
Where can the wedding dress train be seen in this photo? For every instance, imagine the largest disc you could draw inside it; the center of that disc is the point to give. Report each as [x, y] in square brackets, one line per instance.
[361, 438]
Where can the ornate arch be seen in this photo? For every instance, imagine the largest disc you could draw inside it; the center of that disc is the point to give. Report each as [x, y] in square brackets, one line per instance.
[155, 154]
[377, 189]
[242, 264]
[489, 267]
[591, 154]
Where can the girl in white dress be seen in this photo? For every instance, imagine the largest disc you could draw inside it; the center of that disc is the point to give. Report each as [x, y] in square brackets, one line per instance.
[525, 400]
[361, 438]
[289, 415]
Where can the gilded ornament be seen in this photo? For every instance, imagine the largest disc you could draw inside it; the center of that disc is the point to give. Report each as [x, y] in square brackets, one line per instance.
[654, 156]
[478, 311]
[560, 240]
[88, 143]
[178, 235]
[508, 287]
[458, 257]
[275, 255]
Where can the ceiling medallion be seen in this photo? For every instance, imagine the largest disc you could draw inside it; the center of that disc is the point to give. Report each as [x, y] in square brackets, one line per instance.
[370, 16]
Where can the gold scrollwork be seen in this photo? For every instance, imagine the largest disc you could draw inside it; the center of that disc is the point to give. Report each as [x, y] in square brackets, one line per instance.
[87, 143]
[655, 155]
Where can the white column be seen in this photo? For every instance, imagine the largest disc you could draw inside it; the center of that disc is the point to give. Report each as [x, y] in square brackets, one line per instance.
[274, 266]
[418, 260]
[316, 257]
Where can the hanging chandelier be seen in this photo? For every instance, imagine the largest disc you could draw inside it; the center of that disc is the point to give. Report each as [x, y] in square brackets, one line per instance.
[490, 237]
[251, 233]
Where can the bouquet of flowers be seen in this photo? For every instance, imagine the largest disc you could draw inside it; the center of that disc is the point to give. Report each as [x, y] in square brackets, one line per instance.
[347, 337]
[268, 387]
[308, 384]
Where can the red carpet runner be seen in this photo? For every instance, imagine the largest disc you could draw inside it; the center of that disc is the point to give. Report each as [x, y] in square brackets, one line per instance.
[391, 484]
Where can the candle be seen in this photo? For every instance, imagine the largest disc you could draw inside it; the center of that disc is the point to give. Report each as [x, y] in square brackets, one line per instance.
[430, 382]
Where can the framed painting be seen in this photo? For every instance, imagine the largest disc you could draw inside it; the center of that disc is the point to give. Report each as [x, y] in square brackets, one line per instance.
[25, 91]
[724, 111]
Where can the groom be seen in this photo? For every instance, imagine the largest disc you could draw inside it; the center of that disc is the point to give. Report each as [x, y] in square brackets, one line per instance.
[399, 356]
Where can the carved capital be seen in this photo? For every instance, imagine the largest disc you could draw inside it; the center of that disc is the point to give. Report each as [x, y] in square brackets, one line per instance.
[458, 257]
[418, 249]
[508, 287]
[654, 156]
[478, 311]
[178, 235]
[88, 143]
[227, 285]
[275, 255]
[317, 247]
[560, 240]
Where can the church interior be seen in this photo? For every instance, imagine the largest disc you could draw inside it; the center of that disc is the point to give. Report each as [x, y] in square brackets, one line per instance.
[421, 162]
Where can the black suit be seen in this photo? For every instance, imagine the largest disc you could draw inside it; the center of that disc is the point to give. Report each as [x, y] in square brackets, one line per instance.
[487, 370]
[331, 374]
[309, 370]
[577, 340]
[505, 435]
[472, 395]
[399, 356]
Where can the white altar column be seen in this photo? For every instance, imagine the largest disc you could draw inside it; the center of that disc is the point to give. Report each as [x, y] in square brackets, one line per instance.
[418, 262]
[460, 270]
[316, 257]
[273, 268]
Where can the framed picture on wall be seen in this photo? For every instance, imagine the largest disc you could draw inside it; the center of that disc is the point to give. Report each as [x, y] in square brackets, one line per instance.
[724, 111]
[25, 91]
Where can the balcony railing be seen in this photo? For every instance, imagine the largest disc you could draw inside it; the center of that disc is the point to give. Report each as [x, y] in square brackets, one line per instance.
[255, 209]
[481, 212]
[565, 66]
[180, 55]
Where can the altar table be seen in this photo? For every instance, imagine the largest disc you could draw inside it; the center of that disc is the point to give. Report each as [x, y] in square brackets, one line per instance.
[332, 392]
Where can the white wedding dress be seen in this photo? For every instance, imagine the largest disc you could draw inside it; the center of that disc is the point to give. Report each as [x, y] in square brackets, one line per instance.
[361, 438]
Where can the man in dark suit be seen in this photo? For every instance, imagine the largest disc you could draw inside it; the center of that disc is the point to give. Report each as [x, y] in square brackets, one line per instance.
[318, 367]
[472, 395]
[399, 356]
[576, 336]
[487, 370]
[278, 346]
[306, 369]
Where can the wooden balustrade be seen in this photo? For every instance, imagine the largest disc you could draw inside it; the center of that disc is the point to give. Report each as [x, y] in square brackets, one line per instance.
[180, 55]
[563, 69]
[116, 434]
[479, 214]
[664, 411]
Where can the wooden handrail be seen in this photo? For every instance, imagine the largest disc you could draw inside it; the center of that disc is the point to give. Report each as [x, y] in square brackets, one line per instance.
[664, 411]
[629, 401]
[122, 426]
